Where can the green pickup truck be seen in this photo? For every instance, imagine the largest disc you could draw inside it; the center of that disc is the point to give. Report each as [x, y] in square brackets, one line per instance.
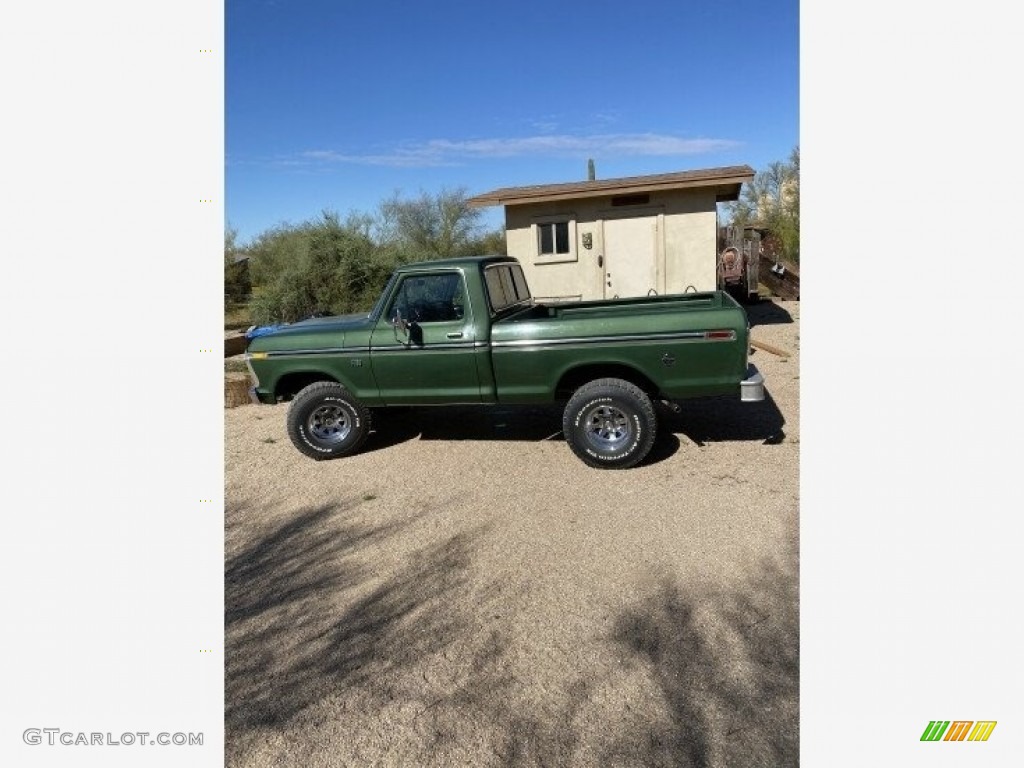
[466, 331]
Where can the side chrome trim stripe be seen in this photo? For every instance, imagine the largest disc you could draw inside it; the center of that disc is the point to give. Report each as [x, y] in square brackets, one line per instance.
[466, 347]
[649, 337]
[688, 336]
[463, 345]
[325, 351]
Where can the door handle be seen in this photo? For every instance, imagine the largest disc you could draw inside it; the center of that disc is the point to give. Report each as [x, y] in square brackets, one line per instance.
[455, 335]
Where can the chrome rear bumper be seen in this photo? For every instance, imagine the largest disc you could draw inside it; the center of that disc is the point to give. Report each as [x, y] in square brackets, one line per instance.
[752, 387]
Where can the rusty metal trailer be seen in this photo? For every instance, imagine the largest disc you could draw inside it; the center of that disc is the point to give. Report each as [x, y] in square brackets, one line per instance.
[739, 263]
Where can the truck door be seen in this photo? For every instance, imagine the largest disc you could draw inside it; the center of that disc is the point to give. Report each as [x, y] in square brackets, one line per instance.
[422, 349]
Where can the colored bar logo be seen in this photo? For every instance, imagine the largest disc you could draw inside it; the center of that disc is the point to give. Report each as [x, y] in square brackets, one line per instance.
[958, 730]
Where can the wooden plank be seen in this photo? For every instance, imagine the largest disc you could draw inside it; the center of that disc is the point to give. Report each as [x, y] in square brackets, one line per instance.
[769, 348]
[235, 344]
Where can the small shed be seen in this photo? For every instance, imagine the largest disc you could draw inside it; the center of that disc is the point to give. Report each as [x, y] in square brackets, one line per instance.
[622, 237]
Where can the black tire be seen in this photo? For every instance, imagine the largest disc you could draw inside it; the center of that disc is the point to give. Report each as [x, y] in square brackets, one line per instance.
[610, 424]
[326, 422]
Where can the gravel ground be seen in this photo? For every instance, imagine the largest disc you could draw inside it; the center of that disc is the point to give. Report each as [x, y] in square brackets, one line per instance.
[466, 592]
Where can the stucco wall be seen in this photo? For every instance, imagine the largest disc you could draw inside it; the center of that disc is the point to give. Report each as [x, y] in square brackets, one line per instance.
[687, 232]
[691, 240]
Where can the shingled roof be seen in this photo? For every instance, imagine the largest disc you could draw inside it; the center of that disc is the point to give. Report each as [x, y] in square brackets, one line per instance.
[727, 179]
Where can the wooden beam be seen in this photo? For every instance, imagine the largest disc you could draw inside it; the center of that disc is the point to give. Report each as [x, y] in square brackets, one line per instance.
[769, 348]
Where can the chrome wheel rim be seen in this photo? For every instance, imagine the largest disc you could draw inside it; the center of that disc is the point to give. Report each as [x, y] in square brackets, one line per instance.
[607, 428]
[329, 423]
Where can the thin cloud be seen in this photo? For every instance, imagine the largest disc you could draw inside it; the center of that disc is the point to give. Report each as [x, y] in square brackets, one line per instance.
[442, 152]
[401, 157]
[545, 126]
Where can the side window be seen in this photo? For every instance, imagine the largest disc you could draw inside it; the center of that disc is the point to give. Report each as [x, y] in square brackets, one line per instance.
[437, 298]
[554, 238]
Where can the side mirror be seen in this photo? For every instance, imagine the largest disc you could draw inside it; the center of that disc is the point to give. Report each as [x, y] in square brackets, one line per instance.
[400, 325]
[410, 330]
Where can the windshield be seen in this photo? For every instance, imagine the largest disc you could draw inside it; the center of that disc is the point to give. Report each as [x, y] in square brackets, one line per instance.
[378, 307]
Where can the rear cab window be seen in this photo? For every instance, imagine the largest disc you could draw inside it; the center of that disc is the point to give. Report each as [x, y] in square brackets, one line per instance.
[506, 286]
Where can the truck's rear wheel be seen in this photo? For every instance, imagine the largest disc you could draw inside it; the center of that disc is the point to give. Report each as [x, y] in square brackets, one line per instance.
[610, 423]
[325, 421]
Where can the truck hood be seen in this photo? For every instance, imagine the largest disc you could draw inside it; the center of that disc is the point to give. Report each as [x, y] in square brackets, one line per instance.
[311, 334]
[332, 323]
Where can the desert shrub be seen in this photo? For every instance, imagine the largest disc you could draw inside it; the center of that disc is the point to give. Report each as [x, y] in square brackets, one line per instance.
[318, 267]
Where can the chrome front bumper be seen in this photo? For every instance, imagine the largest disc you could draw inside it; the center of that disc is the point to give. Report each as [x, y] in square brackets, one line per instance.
[752, 387]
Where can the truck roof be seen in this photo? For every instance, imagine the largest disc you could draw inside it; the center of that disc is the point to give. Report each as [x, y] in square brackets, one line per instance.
[459, 262]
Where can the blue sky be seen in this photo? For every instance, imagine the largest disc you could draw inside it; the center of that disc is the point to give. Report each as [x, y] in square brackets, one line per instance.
[339, 105]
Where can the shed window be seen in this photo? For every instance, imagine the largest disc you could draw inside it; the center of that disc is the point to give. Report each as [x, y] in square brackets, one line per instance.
[553, 238]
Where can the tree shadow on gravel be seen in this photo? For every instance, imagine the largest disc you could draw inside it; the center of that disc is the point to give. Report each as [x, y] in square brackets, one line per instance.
[307, 618]
[720, 688]
[726, 666]
[310, 627]
[317, 627]
[489, 718]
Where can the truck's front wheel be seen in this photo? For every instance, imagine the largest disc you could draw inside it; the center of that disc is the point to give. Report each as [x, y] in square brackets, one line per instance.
[610, 423]
[325, 421]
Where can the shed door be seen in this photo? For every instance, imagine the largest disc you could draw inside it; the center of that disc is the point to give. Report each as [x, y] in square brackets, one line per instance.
[630, 256]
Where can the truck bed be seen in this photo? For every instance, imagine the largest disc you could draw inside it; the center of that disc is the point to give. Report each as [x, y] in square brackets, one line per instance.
[687, 345]
[621, 317]
[619, 307]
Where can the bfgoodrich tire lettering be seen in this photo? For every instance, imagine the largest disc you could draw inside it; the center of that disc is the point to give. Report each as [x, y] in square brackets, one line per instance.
[610, 424]
[325, 421]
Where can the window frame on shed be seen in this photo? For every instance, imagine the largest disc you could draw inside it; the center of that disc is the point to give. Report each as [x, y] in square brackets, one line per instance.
[551, 224]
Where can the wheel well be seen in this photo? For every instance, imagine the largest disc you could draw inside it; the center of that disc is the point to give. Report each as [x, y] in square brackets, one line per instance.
[577, 377]
[289, 385]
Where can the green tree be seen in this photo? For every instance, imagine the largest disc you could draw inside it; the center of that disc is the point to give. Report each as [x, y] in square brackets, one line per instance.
[491, 243]
[330, 265]
[277, 250]
[318, 266]
[431, 226]
[772, 202]
[237, 283]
